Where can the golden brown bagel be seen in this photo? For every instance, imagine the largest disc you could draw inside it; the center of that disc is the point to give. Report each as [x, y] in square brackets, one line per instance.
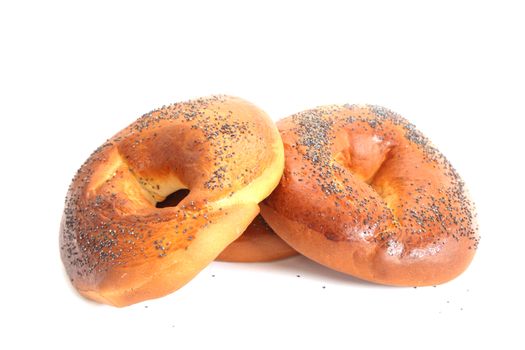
[257, 244]
[365, 193]
[118, 247]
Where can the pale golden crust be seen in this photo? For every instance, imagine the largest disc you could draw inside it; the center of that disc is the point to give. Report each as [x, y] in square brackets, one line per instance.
[119, 248]
[257, 244]
[365, 193]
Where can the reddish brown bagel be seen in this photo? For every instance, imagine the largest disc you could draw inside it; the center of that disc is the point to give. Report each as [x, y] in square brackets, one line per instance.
[365, 193]
[118, 247]
[257, 244]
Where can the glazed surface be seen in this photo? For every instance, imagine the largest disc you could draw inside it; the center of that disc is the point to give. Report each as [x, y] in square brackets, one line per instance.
[364, 192]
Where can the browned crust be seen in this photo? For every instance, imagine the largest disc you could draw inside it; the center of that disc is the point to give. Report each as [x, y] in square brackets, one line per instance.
[257, 244]
[367, 194]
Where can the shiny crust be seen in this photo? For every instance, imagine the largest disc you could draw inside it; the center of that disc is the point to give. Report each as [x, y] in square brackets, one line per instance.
[365, 193]
[257, 244]
[117, 247]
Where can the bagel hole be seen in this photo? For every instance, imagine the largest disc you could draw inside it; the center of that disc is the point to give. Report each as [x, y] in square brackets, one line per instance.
[173, 199]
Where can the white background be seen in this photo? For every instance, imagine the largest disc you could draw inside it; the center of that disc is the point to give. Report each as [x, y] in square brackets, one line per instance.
[72, 75]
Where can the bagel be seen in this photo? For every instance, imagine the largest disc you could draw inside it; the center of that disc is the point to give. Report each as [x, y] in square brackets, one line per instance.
[365, 193]
[119, 245]
[257, 244]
